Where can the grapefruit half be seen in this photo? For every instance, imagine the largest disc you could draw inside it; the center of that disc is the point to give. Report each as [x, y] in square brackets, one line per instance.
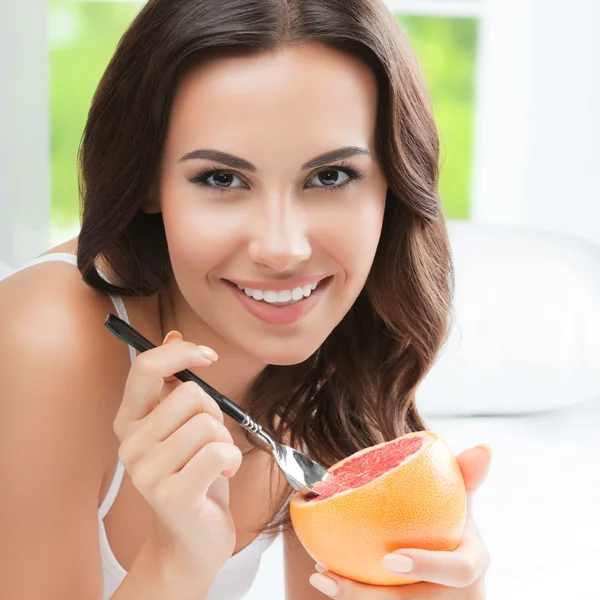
[407, 493]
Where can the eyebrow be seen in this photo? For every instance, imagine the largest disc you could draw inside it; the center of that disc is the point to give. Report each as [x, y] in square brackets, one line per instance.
[239, 163]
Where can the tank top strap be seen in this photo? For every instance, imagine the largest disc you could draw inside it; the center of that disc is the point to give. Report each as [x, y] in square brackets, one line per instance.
[121, 311]
[117, 479]
[113, 490]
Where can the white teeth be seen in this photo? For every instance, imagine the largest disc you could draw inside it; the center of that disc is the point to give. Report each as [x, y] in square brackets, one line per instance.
[284, 296]
[273, 297]
[270, 296]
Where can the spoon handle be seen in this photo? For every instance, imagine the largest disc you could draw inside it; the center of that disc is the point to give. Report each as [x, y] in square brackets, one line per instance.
[134, 338]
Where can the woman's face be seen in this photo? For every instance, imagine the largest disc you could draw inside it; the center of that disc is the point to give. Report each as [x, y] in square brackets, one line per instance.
[269, 181]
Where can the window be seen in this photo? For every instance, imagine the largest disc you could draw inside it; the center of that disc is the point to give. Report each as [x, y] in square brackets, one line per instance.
[83, 37]
[446, 48]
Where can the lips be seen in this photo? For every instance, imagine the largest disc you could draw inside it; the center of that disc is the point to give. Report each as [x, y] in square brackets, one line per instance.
[280, 314]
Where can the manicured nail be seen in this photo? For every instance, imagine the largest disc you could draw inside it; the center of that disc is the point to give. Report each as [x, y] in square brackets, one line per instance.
[328, 586]
[320, 568]
[485, 447]
[397, 562]
[209, 353]
[171, 336]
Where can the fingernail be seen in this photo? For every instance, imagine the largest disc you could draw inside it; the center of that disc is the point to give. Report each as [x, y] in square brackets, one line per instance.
[485, 447]
[397, 562]
[209, 353]
[320, 568]
[171, 336]
[324, 584]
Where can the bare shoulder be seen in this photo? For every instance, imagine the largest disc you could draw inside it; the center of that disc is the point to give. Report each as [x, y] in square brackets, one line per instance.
[53, 335]
[61, 376]
[52, 324]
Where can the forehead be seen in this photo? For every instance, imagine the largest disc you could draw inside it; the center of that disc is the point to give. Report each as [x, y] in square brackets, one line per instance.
[309, 95]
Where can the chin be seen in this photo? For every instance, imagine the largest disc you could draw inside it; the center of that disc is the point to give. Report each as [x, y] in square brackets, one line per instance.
[284, 356]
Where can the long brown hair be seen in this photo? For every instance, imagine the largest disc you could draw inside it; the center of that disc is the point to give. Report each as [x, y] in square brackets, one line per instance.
[358, 388]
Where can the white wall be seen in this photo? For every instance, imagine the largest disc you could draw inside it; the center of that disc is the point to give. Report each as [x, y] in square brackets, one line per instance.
[538, 123]
[449, 8]
[24, 131]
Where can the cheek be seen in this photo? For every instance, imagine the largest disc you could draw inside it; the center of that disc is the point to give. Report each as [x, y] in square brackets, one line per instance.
[199, 233]
[351, 238]
[187, 238]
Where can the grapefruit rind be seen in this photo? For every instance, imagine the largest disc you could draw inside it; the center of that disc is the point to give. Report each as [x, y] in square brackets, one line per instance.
[419, 504]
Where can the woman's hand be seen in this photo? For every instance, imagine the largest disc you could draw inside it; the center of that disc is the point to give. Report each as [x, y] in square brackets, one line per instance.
[457, 575]
[179, 454]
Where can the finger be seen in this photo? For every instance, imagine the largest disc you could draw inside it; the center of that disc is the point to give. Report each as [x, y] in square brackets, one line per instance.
[147, 375]
[213, 460]
[335, 586]
[459, 568]
[169, 383]
[170, 456]
[187, 400]
[172, 336]
[474, 464]
[182, 404]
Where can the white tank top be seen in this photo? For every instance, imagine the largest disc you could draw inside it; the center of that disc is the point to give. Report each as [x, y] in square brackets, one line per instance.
[235, 577]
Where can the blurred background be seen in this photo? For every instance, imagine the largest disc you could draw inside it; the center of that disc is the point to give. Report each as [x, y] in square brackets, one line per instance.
[515, 89]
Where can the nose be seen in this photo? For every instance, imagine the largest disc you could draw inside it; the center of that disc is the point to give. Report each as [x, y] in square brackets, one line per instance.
[279, 237]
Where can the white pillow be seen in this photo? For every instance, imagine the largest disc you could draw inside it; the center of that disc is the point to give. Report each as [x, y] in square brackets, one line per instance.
[526, 332]
[4, 270]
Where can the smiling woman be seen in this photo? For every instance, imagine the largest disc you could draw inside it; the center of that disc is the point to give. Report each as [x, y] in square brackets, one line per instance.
[223, 169]
[261, 181]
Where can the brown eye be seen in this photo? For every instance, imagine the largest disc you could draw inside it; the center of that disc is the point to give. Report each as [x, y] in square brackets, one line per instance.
[219, 180]
[329, 178]
[223, 179]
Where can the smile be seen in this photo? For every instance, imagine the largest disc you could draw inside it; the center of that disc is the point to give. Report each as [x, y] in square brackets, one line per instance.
[282, 307]
[283, 297]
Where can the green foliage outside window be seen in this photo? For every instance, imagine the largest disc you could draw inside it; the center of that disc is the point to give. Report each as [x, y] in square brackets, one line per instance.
[83, 36]
[446, 49]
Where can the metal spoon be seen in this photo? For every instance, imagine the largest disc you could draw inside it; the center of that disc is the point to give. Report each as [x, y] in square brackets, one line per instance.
[301, 471]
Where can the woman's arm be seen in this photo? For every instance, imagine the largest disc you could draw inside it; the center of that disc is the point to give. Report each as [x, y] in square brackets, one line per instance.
[61, 380]
[299, 566]
[154, 576]
[52, 444]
